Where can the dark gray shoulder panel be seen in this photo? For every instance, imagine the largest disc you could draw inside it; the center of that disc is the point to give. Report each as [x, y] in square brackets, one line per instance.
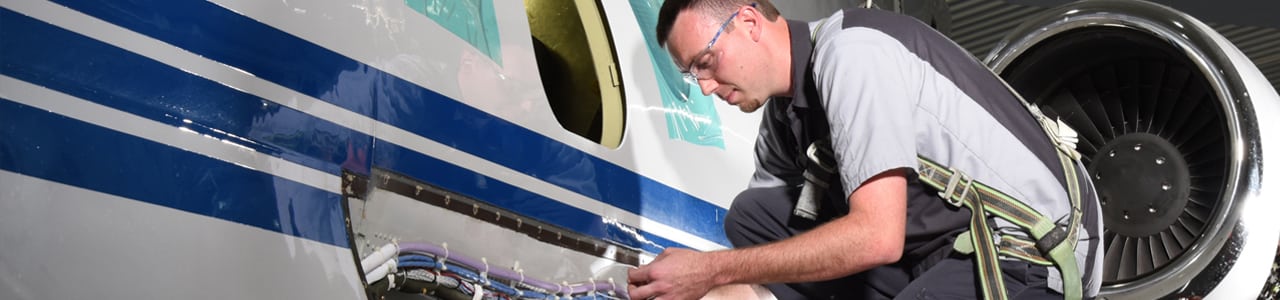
[973, 78]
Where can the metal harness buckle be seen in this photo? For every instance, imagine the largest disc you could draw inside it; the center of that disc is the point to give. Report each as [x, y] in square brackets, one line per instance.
[952, 182]
[1051, 239]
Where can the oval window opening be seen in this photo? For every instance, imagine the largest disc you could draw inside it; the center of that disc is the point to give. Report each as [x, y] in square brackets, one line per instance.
[578, 68]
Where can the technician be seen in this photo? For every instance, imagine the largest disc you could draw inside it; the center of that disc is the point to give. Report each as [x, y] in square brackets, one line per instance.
[879, 138]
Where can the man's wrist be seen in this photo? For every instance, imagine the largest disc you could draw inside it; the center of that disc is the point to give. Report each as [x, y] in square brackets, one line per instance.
[721, 264]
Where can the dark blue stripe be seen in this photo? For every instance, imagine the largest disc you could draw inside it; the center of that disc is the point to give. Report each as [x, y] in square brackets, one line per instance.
[222, 35]
[123, 80]
[49, 56]
[493, 191]
[37, 143]
[211, 31]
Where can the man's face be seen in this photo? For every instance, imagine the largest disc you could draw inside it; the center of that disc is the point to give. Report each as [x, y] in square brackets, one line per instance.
[719, 59]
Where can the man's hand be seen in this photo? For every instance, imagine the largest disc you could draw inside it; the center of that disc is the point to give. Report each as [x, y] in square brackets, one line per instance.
[676, 274]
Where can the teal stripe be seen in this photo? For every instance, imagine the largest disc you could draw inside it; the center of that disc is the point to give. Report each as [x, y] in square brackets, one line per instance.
[471, 20]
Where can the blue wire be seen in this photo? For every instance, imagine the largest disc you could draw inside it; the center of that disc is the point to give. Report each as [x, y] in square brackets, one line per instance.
[470, 275]
[417, 257]
[595, 297]
[418, 264]
[427, 262]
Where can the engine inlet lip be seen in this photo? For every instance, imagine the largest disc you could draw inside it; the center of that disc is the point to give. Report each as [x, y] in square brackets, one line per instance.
[1188, 36]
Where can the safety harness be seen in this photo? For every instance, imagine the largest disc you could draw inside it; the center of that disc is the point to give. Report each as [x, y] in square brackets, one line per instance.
[1051, 244]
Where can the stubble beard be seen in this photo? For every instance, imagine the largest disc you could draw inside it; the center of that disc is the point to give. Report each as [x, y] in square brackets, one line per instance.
[749, 106]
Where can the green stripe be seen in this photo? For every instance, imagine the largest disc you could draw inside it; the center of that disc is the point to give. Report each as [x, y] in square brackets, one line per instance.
[1025, 250]
[989, 200]
[988, 263]
[1064, 253]
[1004, 206]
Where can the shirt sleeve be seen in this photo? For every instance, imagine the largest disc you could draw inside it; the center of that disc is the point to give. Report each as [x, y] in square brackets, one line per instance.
[869, 85]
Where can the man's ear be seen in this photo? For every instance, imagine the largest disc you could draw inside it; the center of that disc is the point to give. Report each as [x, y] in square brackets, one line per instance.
[751, 19]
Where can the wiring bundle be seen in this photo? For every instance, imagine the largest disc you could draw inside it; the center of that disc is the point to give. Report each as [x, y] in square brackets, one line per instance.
[433, 271]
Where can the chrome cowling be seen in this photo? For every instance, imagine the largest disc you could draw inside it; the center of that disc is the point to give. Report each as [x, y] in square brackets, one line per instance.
[1190, 214]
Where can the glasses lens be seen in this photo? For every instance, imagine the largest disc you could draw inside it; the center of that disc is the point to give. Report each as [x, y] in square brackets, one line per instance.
[698, 70]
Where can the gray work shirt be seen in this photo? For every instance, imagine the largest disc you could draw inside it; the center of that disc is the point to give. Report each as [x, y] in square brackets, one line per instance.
[891, 88]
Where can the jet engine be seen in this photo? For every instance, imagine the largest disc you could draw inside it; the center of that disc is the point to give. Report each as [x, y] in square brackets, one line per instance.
[1174, 125]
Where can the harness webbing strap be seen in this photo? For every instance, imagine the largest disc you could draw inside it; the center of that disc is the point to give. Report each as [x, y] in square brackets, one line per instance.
[1071, 286]
[1051, 240]
[1067, 155]
[1009, 246]
[996, 202]
[984, 248]
[1022, 249]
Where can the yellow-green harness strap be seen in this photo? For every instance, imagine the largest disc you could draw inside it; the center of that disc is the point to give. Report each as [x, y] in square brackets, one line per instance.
[1053, 243]
[1064, 253]
[984, 248]
[1067, 155]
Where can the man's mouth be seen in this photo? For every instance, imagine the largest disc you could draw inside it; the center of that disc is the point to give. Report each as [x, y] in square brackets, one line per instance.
[728, 97]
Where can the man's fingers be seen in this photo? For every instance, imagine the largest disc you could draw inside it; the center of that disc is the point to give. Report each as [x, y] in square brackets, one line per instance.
[642, 292]
[638, 275]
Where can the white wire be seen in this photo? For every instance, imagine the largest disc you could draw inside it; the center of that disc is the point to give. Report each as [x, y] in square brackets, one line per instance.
[379, 257]
[381, 271]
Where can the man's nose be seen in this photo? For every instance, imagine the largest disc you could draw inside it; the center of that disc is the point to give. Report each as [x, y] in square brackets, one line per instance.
[707, 85]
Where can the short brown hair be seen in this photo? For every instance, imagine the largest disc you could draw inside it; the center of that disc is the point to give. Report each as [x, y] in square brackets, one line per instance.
[672, 8]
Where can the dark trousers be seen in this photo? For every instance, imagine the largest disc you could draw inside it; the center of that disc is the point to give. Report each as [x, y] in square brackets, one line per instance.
[763, 215]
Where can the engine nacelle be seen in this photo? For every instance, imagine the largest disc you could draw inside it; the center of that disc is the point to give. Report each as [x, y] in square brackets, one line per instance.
[1174, 124]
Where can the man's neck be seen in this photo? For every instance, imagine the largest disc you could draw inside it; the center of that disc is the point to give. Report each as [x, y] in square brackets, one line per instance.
[784, 55]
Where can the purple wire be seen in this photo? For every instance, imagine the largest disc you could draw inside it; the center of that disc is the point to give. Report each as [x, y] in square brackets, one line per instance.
[508, 274]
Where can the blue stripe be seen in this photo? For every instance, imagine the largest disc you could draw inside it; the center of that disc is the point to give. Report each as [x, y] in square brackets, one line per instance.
[58, 59]
[37, 143]
[493, 191]
[211, 31]
[92, 70]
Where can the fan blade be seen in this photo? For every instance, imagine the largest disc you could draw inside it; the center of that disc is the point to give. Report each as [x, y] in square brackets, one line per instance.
[1105, 86]
[1175, 85]
[1186, 106]
[1103, 113]
[1182, 131]
[1170, 245]
[1142, 256]
[1130, 76]
[1112, 261]
[1112, 109]
[1128, 259]
[1069, 109]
